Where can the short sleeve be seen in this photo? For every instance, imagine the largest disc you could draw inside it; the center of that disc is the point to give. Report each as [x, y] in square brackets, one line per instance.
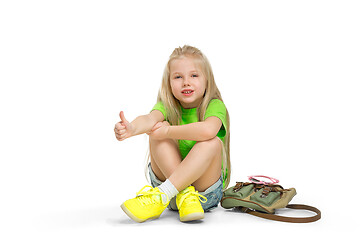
[217, 108]
[160, 106]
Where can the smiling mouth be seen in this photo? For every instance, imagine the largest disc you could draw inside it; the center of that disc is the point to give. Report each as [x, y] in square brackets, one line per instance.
[187, 91]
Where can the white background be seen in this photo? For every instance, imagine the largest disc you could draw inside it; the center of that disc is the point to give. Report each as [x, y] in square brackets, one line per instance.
[288, 72]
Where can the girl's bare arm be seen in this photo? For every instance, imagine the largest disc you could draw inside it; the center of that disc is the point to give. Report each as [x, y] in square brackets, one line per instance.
[198, 131]
[142, 124]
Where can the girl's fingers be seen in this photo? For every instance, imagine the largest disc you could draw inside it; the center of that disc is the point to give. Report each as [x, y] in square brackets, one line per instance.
[156, 126]
[120, 138]
[166, 123]
[119, 130]
[120, 133]
[117, 136]
[119, 127]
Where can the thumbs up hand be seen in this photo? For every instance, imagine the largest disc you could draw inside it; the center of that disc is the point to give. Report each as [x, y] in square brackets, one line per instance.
[123, 129]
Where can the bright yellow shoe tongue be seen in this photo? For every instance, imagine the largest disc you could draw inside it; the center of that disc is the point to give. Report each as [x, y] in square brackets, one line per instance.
[188, 189]
[162, 197]
[154, 194]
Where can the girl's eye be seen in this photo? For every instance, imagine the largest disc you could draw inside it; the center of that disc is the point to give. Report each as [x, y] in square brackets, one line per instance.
[177, 77]
[194, 75]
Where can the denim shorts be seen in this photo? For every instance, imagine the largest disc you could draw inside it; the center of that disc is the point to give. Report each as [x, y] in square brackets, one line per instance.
[213, 193]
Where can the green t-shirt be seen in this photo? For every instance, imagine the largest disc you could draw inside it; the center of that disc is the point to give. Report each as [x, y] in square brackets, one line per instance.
[215, 108]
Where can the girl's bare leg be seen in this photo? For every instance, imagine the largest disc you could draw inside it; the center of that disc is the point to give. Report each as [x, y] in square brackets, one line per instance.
[165, 157]
[201, 167]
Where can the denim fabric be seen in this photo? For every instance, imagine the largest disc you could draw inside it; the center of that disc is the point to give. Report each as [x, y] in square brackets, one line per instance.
[213, 193]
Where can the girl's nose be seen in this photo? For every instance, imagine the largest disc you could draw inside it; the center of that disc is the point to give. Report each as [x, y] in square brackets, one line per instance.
[186, 81]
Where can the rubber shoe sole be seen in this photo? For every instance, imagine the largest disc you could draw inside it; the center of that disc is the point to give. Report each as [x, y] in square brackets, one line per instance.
[192, 217]
[133, 217]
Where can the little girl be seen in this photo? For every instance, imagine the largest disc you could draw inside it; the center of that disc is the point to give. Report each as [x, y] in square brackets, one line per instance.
[189, 136]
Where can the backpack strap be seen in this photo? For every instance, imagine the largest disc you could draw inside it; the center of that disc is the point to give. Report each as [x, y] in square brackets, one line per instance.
[287, 219]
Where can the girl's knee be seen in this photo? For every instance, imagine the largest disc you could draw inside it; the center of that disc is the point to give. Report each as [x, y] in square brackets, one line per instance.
[151, 139]
[168, 140]
[214, 143]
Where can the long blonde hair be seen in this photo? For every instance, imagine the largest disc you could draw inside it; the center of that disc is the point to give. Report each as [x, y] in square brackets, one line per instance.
[173, 107]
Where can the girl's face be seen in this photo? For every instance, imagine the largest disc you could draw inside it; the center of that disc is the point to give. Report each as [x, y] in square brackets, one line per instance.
[187, 82]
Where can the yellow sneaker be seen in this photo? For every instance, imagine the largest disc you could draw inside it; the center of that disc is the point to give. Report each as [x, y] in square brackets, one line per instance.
[189, 205]
[146, 205]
